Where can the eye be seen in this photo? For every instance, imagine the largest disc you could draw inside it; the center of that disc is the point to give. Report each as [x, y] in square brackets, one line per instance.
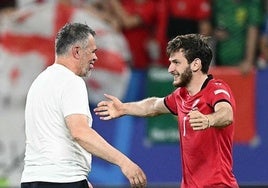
[176, 62]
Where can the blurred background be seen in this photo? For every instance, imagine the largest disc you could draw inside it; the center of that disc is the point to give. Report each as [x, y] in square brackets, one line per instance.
[132, 36]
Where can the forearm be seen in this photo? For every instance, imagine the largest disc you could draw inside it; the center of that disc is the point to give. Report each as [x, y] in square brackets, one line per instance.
[223, 116]
[92, 142]
[252, 38]
[149, 107]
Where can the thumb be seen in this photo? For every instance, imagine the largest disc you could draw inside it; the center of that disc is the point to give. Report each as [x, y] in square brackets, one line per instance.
[111, 97]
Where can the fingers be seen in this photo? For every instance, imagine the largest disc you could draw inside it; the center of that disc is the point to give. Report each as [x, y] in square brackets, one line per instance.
[101, 110]
[106, 118]
[103, 106]
[104, 115]
[198, 121]
[102, 103]
[112, 100]
[138, 181]
[198, 126]
[135, 175]
[110, 97]
[106, 103]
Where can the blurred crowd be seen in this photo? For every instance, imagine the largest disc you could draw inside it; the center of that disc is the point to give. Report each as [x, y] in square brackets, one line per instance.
[237, 29]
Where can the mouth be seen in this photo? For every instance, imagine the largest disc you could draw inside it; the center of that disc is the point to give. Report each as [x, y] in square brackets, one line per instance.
[176, 76]
[91, 65]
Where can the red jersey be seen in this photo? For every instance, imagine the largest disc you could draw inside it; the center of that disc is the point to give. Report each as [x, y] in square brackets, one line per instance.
[207, 154]
[190, 9]
[139, 36]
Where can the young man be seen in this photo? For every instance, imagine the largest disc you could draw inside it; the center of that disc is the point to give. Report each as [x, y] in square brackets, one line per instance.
[205, 108]
[59, 137]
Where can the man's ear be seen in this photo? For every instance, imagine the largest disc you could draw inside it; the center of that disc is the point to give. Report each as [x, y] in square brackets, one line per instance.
[196, 65]
[75, 52]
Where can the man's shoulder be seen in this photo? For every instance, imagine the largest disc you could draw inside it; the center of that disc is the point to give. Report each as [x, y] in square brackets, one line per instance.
[215, 82]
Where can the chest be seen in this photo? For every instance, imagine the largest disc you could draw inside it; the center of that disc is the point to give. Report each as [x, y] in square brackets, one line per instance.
[187, 103]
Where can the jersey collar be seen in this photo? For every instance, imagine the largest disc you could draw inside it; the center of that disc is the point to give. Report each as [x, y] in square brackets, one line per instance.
[210, 77]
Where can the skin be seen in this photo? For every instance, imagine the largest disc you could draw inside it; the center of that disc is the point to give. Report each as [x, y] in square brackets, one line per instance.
[81, 61]
[184, 75]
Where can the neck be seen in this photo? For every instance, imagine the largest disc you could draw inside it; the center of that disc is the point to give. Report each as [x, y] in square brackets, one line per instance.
[66, 62]
[196, 83]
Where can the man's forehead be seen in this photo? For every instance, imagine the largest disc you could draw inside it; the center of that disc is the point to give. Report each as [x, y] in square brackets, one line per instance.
[175, 54]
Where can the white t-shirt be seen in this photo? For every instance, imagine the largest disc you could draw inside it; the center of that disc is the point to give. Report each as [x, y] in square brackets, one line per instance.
[51, 153]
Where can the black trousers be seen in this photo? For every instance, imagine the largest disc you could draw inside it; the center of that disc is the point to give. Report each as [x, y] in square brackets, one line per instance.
[38, 184]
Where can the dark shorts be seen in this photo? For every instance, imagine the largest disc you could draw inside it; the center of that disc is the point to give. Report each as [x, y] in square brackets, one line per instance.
[38, 184]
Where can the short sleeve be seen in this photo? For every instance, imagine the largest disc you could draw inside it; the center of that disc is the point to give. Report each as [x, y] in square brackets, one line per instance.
[221, 92]
[170, 102]
[75, 98]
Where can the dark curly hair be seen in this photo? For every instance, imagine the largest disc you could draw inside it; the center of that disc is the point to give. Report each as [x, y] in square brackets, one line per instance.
[194, 46]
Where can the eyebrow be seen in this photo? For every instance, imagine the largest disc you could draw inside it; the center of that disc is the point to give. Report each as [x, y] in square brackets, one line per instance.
[175, 61]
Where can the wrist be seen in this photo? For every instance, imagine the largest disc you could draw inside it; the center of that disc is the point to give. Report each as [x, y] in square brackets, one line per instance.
[208, 122]
[124, 109]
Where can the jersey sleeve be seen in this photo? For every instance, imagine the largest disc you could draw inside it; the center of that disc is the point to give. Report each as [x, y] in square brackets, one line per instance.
[75, 98]
[170, 102]
[220, 92]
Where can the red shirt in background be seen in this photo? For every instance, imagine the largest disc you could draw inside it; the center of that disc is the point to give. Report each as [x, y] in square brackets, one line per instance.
[139, 36]
[190, 9]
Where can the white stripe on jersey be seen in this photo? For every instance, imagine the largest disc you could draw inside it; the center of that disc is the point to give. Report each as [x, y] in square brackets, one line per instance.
[221, 91]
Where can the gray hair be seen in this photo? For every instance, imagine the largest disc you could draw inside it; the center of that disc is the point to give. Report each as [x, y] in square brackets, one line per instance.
[70, 34]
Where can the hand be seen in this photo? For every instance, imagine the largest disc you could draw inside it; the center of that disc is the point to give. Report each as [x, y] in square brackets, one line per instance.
[198, 121]
[246, 66]
[89, 184]
[221, 34]
[109, 109]
[134, 174]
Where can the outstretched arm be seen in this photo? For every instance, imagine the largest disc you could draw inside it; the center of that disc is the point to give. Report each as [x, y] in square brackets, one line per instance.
[114, 108]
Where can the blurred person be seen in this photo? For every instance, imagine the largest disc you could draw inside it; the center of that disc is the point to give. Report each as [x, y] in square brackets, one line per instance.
[7, 7]
[101, 9]
[236, 26]
[137, 20]
[60, 139]
[188, 16]
[183, 17]
[98, 8]
[262, 61]
[205, 107]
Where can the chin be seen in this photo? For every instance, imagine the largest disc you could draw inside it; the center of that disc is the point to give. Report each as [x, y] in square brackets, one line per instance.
[175, 84]
[88, 73]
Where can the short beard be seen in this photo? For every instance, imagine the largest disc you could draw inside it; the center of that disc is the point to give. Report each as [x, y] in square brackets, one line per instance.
[85, 72]
[185, 77]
